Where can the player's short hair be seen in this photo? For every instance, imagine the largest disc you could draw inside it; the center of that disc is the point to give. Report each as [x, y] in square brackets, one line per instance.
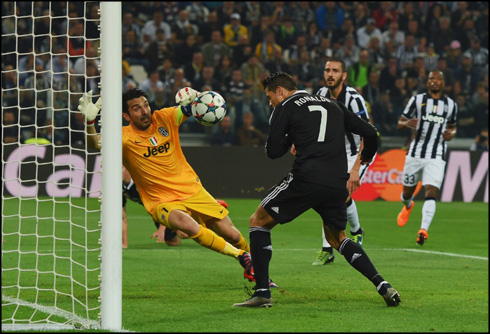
[440, 72]
[279, 79]
[338, 60]
[129, 95]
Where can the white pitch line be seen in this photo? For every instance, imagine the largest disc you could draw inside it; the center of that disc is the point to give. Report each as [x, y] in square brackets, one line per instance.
[166, 249]
[439, 253]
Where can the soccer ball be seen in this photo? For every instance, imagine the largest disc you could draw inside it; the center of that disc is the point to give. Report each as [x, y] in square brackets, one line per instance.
[208, 108]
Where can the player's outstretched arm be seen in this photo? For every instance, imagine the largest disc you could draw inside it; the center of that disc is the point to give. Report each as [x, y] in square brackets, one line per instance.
[90, 111]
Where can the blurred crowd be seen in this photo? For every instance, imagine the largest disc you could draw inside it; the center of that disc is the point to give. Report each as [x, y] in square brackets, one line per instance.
[230, 47]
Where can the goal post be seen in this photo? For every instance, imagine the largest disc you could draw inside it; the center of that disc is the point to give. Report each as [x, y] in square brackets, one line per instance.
[61, 202]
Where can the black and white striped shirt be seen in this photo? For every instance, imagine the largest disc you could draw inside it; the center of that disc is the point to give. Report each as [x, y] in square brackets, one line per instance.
[434, 115]
[355, 103]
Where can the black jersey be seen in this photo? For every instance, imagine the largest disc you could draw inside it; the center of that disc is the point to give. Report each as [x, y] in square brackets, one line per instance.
[316, 126]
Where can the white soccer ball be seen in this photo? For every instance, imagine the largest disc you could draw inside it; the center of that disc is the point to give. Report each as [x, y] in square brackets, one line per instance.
[208, 108]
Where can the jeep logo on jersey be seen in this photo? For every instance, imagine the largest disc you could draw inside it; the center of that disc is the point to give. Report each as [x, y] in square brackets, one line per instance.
[433, 118]
[163, 131]
[157, 150]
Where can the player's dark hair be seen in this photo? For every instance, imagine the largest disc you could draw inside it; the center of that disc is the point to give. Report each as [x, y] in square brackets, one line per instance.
[440, 72]
[338, 60]
[279, 79]
[129, 95]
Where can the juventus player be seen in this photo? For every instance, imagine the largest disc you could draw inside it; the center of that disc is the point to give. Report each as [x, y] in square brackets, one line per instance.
[335, 75]
[316, 126]
[432, 116]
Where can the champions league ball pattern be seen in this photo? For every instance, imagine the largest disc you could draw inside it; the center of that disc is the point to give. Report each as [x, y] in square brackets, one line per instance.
[209, 108]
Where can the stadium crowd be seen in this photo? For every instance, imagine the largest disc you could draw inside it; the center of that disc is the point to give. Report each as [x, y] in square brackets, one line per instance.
[230, 47]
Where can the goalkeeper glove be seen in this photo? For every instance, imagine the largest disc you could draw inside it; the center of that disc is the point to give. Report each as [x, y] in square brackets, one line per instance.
[185, 96]
[89, 109]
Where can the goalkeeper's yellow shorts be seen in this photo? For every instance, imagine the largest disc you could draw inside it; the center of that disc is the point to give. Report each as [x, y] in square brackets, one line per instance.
[202, 207]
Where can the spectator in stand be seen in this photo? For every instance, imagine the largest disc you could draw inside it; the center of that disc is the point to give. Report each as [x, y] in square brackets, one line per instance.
[277, 63]
[442, 36]
[455, 56]
[365, 33]
[481, 26]
[223, 71]
[349, 52]
[399, 95]
[448, 77]
[393, 36]
[478, 54]
[313, 35]
[207, 79]
[414, 30]
[37, 85]
[76, 41]
[371, 92]
[252, 11]
[305, 72]
[234, 95]
[407, 53]
[384, 15]
[128, 82]
[172, 86]
[182, 27]
[481, 141]
[159, 50]
[197, 12]
[193, 70]
[265, 50]
[321, 53]
[339, 35]
[10, 127]
[184, 52]
[234, 30]
[293, 53]
[329, 16]
[242, 51]
[360, 71]
[224, 136]
[260, 26]
[248, 134]
[303, 15]
[432, 20]
[468, 75]
[466, 117]
[430, 58]
[459, 15]
[225, 11]
[212, 24]
[467, 33]
[133, 52]
[406, 15]
[166, 71]
[129, 24]
[152, 85]
[214, 50]
[170, 11]
[386, 116]
[359, 17]
[149, 31]
[10, 90]
[376, 55]
[252, 71]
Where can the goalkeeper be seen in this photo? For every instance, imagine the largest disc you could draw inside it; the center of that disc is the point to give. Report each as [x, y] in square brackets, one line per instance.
[163, 234]
[169, 188]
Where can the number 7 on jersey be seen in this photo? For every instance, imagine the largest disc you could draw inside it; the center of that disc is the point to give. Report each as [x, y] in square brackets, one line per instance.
[323, 121]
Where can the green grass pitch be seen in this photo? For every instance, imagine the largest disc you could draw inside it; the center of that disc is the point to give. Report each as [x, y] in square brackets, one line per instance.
[443, 285]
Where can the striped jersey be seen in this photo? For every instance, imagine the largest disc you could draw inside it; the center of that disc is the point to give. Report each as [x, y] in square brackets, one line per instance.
[434, 115]
[155, 160]
[355, 103]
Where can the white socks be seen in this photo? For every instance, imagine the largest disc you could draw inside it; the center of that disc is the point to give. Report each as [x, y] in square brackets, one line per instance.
[428, 212]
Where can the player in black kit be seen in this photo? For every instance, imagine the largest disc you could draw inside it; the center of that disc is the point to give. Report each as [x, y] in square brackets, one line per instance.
[316, 126]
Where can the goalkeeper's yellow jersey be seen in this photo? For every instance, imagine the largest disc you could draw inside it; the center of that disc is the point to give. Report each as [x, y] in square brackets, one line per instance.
[156, 162]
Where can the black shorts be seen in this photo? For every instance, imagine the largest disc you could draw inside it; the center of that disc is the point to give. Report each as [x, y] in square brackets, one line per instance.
[290, 198]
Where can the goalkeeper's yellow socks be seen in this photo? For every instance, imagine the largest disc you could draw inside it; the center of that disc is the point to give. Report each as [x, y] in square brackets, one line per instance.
[242, 244]
[207, 238]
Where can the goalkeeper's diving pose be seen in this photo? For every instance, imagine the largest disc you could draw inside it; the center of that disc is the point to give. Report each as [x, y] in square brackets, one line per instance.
[169, 188]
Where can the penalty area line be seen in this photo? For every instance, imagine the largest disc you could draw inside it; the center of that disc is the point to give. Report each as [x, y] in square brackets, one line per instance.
[438, 253]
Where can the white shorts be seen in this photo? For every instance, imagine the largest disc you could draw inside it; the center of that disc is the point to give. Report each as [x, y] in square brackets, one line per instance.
[351, 159]
[430, 171]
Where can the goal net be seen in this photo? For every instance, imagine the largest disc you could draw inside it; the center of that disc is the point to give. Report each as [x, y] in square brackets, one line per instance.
[52, 184]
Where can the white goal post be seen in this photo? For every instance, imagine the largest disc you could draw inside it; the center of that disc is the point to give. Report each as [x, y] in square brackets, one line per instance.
[61, 202]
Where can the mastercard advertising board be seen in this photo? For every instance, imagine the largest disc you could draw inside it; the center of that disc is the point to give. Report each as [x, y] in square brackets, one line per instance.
[384, 178]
